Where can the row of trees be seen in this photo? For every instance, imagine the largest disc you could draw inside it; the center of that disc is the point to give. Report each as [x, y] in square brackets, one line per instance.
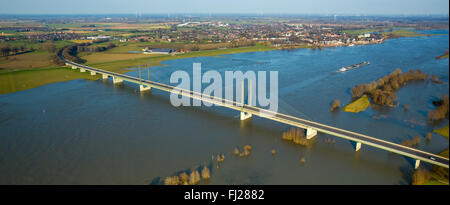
[242, 43]
[88, 48]
[212, 46]
[421, 176]
[297, 136]
[7, 49]
[192, 179]
[414, 142]
[56, 59]
[70, 52]
[383, 90]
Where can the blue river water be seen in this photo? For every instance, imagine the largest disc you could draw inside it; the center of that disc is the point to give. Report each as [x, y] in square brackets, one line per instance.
[94, 132]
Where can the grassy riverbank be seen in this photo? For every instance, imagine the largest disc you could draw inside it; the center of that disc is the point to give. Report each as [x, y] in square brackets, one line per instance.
[405, 33]
[361, 31]
[26, 78]
[442, 131]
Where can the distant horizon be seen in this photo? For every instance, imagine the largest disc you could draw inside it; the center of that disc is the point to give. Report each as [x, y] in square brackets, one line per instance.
[225, 13]
[265, 7]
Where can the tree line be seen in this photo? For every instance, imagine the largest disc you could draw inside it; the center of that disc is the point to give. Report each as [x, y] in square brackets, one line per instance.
[69, 52]
[383, 91]
[204, 46]
[7, 49]
[89, 48]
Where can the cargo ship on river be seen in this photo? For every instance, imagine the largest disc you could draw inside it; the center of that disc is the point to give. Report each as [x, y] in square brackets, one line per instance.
[350, 67]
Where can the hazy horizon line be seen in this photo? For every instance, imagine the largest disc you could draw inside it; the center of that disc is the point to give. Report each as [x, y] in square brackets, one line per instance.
[237, 13]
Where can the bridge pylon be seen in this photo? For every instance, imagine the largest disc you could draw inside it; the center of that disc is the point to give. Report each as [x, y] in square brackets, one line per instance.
[143, 88]
[357, 146]
[117, 80]
[310, 133]
[245, 115]
[416, 165]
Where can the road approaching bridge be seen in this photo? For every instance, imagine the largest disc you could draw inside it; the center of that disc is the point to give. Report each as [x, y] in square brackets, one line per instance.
[247, 111]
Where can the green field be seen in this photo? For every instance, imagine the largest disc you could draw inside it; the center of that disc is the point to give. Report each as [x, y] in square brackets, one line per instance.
[404, 33]
[358, 105]
[442, 131]
[25, 79]
[25, 61]
[360, 31]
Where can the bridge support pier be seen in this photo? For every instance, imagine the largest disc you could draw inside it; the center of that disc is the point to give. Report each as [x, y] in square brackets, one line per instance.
[245, 115]
[82, 70]
[310, 133]
[93, 73]
[358, 146]
[143, 88]
[74, 67]
[104, 76]
[417, 164]
[117, 80]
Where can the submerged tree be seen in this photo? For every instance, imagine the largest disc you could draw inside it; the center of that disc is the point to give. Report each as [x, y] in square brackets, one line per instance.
[441, 109]
[335, 105]
[420, 176]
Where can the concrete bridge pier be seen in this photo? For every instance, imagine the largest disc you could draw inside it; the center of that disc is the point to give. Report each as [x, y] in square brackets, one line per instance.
[245, 115]
[93, 73]
[143, 88]
[104, 76]
[417, 164]
[74, 67]
[310, 133]
[117, 80]
[82, 70]
[358, 146]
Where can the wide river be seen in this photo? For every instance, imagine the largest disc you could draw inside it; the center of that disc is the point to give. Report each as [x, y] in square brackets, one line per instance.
[92, 132]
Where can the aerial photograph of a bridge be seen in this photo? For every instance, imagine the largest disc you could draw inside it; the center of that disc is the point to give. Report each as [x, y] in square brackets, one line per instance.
[224, 93]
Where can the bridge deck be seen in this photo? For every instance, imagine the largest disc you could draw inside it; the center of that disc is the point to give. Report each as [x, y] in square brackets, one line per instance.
[287, 119]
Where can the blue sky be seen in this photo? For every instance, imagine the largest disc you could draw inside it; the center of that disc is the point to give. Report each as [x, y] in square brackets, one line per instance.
[363, 7]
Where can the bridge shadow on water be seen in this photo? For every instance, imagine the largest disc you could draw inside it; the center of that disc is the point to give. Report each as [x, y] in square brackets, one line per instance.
[406, 175]
[216, 114]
